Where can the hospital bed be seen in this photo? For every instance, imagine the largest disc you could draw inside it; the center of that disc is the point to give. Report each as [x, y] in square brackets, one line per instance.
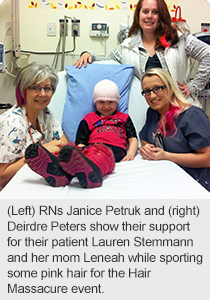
[137, 179]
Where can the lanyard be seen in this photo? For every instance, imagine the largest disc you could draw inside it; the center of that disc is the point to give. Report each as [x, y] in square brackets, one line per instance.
[158, 139]
[29, 130]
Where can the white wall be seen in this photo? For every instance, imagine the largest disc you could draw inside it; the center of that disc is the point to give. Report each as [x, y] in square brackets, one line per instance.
[33, 32]
[34, 35]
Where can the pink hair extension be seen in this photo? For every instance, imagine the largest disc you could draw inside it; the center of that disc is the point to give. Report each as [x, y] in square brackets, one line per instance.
[19, 98]
[164, 42]
[167, 125]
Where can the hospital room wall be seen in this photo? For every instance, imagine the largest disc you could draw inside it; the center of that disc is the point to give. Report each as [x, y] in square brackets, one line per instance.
[33, 28]
[33, 32]
[195, 12]
[36, 39]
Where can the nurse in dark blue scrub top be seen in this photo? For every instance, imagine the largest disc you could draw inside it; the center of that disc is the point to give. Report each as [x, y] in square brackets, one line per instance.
[174, 129]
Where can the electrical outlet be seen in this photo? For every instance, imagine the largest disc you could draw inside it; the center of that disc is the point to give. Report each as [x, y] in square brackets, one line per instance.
[2, 57]
[62, 27]
[8, 26]
[75, 27]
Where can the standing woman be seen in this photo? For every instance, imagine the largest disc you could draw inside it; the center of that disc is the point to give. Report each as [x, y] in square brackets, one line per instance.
[174, 129]
[30, 120]
[154, 42]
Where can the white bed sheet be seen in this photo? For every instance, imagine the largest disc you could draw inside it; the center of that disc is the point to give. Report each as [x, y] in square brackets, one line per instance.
[137, 179]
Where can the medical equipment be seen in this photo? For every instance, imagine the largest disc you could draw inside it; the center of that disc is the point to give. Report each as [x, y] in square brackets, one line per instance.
[15, 29]
[75, 27]
[178, 22]
[205, 27]
[124, 31]
[63, 34]
[99, 30]
[204, 37]
[2, 57]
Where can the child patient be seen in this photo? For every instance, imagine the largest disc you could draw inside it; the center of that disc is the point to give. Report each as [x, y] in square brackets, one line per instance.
[103, 137]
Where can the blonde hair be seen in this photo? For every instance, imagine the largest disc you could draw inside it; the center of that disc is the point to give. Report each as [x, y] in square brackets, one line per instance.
[177, 101]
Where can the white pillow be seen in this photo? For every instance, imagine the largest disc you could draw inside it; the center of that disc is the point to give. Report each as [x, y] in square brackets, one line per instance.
[137, 105]
[59, 97]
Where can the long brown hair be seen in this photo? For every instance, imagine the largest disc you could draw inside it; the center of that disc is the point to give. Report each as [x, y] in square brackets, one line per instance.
[164, 28]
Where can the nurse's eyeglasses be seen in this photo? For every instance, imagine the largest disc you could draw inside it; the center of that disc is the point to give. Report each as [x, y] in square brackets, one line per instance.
[155, 90]
[37, 89]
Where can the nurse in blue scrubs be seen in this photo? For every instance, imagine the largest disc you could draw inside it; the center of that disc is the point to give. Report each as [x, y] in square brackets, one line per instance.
[174, 129]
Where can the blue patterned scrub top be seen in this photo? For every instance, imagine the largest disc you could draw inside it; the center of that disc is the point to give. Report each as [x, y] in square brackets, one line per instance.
[15, 136]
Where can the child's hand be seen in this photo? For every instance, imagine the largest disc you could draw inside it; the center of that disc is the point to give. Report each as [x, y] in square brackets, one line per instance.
[54, 146]
[133, 147]
[128, 157]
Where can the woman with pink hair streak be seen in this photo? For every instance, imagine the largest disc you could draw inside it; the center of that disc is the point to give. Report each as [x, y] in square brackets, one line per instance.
[30, 120]
[174, 129]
